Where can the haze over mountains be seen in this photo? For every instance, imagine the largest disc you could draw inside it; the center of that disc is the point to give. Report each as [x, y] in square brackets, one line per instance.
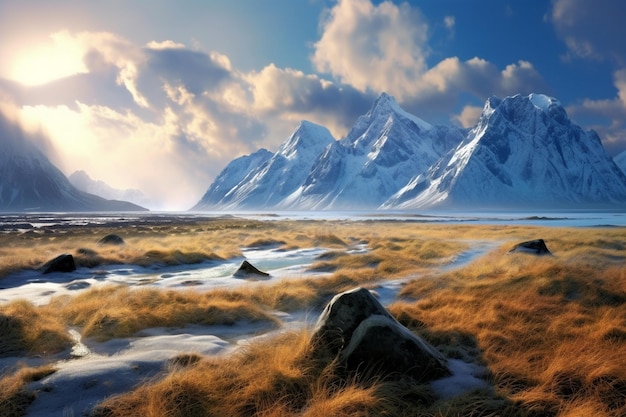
[524, 152]
[30, 182]
[81, 180]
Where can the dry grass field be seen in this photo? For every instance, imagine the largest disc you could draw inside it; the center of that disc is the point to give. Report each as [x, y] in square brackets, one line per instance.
[551, 331]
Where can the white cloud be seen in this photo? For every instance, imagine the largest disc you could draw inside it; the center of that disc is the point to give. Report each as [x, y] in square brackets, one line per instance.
[469, 116]
[379, 48]
[168, 44]
[449, 22]
[384, 48]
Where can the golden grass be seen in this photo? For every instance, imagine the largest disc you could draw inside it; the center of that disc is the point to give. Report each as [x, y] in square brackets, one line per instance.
[223, 238]
[119, 311]
[26, 329]
[551, 330]
[277, 379]
[14, 397]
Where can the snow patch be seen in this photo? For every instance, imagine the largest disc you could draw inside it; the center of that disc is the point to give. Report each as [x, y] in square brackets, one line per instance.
[465, 377]
[542, 102]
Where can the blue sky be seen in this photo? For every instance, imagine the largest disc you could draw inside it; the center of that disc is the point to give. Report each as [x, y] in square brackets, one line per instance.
[160, 95]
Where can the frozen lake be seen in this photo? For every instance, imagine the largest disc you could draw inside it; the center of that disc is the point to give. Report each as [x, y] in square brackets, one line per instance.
[11, 222]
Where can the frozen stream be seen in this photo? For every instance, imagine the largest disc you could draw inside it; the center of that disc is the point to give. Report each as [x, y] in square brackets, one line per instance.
[98, 370]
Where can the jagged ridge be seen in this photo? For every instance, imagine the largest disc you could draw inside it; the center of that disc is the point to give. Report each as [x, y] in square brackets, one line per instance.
[524, 152]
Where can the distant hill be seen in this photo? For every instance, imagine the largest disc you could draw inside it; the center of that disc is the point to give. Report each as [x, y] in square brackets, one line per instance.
[81, 180]
[524, 152]
[30, 182]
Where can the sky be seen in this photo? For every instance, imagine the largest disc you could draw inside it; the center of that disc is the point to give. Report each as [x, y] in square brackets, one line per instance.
[159, 96]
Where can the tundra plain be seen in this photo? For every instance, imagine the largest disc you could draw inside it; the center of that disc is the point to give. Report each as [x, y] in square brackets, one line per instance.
[548, 333]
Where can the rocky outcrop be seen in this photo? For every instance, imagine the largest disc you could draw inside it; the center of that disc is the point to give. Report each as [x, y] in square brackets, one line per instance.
[535, 247]
[62, 263]
[357, 330]
[247, 270]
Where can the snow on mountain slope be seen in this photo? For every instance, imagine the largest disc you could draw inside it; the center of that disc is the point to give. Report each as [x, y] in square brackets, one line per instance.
[524, 151]
[620, 161]
[267, 183]
[29, 181]
[233, 174]
[382, 151]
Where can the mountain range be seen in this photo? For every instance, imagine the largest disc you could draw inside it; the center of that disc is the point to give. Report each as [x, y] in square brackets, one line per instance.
[524, 152]
[30, 182]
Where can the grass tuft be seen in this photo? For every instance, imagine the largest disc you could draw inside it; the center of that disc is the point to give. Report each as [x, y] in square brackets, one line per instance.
[27, 330]
[14, 397]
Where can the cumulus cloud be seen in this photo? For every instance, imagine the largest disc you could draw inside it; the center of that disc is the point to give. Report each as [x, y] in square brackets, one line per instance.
[442, 87]
[468, 116]
[291, 95]
[373, 48]
[384, 48]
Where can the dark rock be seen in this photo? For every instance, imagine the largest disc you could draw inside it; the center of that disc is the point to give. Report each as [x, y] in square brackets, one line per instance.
[111, 239]
[535, 247]
[355, 328]
[62, 263]
[247, 269]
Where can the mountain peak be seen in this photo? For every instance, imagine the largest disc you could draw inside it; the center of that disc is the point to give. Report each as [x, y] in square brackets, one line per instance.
[307, 135]
[386, 104]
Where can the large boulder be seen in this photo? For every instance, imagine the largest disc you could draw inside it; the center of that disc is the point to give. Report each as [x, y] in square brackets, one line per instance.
[62, 263]
[357, 330]
[535, 247]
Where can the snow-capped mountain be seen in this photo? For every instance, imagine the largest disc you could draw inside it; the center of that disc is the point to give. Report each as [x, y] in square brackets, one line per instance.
[264, 179]
[81, 180]
[380, 154]
[311, 170]
[524, 152]
[29, 181]
[620, 161]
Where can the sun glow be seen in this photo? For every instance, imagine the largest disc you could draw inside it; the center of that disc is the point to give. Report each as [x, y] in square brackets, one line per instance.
[47, 61]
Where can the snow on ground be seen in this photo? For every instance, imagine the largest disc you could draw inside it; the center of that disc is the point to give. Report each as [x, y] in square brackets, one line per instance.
[96, 370]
